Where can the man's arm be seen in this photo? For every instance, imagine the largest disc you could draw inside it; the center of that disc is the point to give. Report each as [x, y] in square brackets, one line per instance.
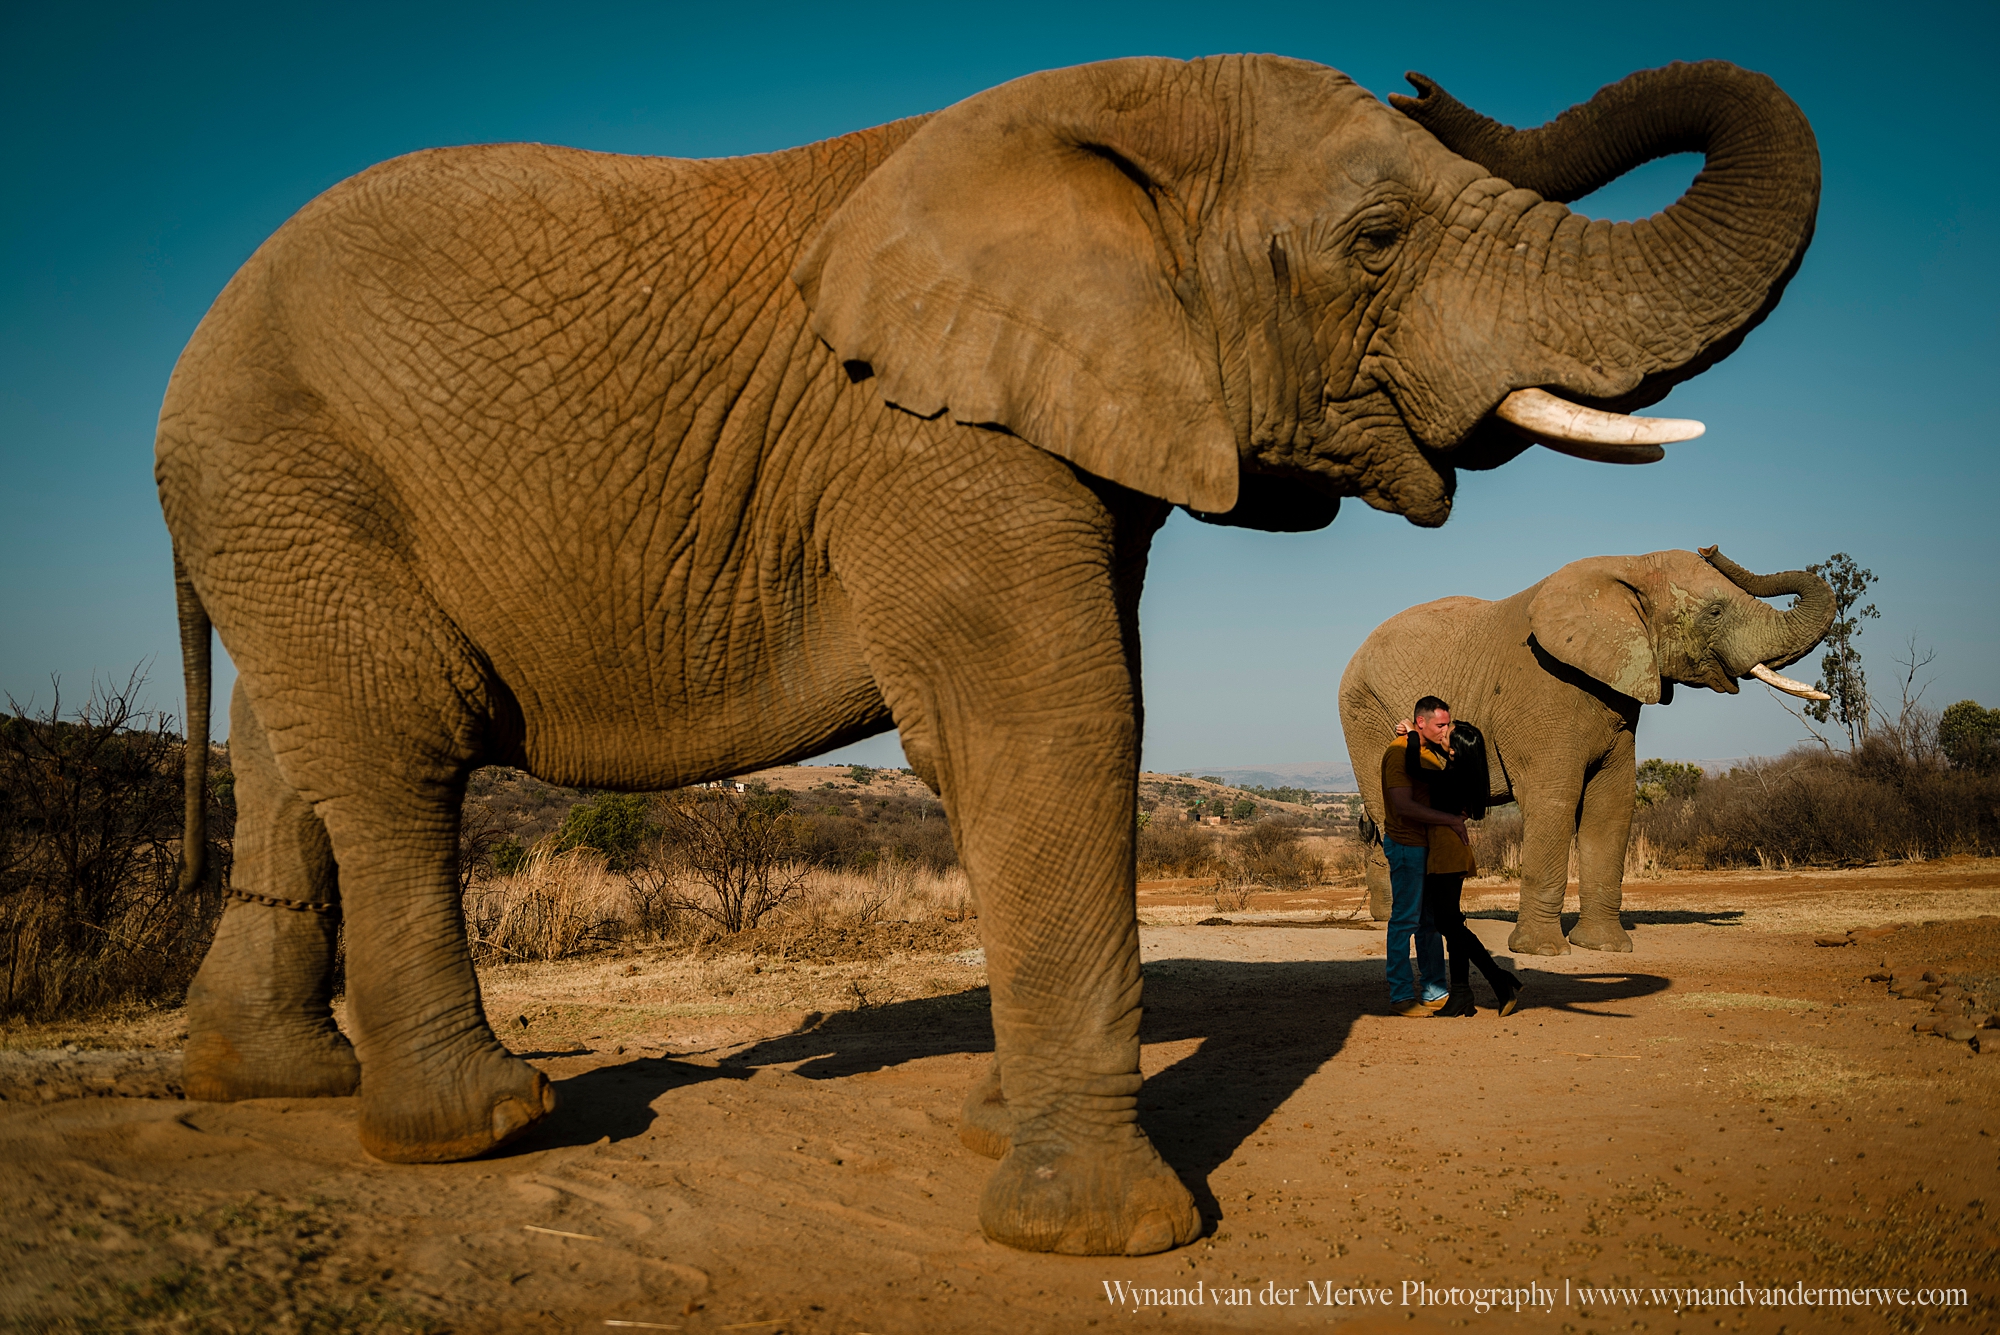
[1404, 803]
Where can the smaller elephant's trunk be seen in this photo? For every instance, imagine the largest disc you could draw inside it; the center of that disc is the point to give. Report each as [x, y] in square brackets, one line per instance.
[1788, 636]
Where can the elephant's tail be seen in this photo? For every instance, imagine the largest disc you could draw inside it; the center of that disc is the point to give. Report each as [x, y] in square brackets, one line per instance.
[195, 675]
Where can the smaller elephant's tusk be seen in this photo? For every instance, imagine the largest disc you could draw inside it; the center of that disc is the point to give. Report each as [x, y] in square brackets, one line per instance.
[1586, 433]
[1786, 684]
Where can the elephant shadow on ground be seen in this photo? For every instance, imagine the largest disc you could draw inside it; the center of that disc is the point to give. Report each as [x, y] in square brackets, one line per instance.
[1263, 1028]
[1636, 917]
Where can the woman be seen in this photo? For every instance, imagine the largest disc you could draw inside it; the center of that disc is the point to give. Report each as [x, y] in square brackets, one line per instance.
[1457, 780]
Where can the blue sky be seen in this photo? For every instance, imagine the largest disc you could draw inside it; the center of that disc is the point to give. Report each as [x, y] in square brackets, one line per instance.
[152, 147]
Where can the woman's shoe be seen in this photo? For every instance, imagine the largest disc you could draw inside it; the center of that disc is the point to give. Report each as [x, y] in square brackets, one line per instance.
[1507, 993]
[1459, 1002]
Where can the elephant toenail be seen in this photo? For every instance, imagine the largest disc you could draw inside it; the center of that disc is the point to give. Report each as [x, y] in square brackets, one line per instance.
[510, 1118]
[1045, 1172]
[1152, 1234]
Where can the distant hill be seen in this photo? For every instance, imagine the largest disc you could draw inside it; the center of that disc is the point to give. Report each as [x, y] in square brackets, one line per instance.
[1325, 777]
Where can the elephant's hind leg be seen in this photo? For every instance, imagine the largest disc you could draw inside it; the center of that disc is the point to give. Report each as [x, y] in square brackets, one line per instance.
[260, 1023]
[436, 1086]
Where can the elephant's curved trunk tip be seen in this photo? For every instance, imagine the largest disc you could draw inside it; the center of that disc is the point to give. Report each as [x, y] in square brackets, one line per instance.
[1785, 637]
[1588, 433]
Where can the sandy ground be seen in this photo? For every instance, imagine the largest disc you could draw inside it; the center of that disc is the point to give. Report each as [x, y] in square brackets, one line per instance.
[763, 1142]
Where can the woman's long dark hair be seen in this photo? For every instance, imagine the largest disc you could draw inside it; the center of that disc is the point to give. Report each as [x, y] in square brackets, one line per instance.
[1462, 786]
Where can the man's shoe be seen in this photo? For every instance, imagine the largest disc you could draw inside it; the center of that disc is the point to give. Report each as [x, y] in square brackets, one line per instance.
[1459, 1002]
[1508, 993]
[1432, 1003]
[1412, 1010]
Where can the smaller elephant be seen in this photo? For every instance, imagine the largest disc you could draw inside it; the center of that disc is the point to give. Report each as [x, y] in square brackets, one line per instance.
[1555, 676]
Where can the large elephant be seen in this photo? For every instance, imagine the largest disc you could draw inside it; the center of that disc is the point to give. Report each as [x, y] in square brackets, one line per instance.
[632, 472]
[1554, 676]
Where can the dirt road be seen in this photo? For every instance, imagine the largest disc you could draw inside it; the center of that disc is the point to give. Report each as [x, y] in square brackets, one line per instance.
[1731, 1105]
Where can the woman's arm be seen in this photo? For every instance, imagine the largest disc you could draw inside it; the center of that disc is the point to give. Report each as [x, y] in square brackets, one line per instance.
[1404, 803]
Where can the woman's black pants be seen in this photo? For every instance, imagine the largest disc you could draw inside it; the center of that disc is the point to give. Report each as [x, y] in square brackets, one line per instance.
[1441, 907]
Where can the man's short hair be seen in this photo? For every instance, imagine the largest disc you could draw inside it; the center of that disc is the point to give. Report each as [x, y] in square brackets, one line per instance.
[1430, 704]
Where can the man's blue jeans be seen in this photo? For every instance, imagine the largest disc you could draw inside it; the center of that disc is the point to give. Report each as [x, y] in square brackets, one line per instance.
[1407, 917]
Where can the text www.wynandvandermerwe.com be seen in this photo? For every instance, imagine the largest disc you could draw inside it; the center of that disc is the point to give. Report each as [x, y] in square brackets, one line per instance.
[1534, 1296]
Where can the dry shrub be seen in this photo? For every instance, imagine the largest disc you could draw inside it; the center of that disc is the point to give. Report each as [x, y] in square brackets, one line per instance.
[91, 911]
[893, 892]
[735, 858]
[1496, 840]
[559, 904]
[1817, 807]
[1346, 860]
[1230, 898]
[1171, 848]
[1273, 853]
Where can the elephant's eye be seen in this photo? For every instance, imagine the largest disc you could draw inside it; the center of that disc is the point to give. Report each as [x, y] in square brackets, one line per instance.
[1375, 242]
[1377, 236]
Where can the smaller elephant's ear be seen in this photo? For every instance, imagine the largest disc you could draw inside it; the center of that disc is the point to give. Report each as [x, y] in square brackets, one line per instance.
[1010, 263]
[1590, 615]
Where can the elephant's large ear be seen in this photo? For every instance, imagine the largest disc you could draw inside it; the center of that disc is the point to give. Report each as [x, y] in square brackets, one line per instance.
[1014, 264]
[1590, 614]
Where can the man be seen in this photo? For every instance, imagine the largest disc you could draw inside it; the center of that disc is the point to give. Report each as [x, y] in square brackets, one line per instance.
[1406, 843]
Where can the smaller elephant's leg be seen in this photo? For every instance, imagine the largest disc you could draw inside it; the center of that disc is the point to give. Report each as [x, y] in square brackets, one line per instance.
[260, 1023]
[1548, 826]
[1602, 833]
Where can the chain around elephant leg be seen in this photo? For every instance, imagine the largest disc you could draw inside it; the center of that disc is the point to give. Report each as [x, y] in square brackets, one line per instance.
[259, 1021]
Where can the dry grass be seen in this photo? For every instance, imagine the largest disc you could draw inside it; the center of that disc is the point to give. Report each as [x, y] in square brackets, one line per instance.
[1715, 1001]
[1798, 1073]
[847, 941]
[557, 905]
[893, 891]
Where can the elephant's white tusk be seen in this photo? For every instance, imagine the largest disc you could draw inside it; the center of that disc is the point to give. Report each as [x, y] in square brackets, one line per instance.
[1786, 684]
[1586, 433]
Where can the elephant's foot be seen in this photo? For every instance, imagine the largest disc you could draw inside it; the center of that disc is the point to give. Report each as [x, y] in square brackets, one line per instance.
[1116, 1199]
[259, 1026]
[475, 1104]
[1534, 938]
[1601, 934]
[986, 1127]
[224, 1063]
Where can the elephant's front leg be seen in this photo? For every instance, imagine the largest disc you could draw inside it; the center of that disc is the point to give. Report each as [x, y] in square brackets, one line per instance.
[1062, 949]
[1548, 827]
[1011, 673]
[1603, 829]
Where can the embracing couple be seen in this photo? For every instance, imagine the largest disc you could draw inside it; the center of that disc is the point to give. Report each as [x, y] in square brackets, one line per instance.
[1433, 777]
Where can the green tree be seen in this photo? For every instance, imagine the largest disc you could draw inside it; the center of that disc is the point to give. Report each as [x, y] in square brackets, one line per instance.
[1667, 778]
[1969, 736]
[614, 824]
[1840, 674]
[1243, 809]
[861, 773]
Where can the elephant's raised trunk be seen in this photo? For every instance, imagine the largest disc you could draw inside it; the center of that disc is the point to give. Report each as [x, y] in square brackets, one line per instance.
[1788, 636]
[1652, 302]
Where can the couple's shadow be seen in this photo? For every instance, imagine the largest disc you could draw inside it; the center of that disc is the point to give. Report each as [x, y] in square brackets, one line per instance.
[1263, 1029]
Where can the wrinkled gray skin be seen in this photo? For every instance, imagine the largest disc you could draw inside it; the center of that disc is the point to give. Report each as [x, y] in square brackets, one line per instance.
[634, 472]
[1554, 676]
